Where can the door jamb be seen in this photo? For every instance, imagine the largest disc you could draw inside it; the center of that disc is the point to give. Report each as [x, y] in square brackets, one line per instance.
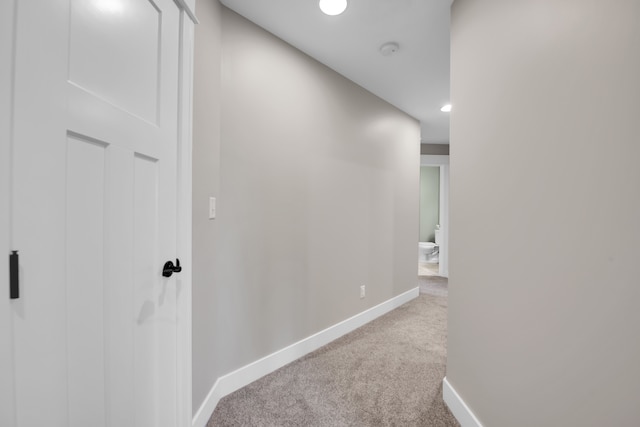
[184, 226]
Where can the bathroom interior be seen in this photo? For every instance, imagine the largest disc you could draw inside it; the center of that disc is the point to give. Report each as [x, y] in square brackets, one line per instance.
[430, 234]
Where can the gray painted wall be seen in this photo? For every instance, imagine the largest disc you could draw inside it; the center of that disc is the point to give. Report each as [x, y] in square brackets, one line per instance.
[435, 149]
[317, 187]
[429, 202]
[543, 317]
[206, 183]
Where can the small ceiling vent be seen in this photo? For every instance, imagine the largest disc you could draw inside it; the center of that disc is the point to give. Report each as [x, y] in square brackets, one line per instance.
[389, 49]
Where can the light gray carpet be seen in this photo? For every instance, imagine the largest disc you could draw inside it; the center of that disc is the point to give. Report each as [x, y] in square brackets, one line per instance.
[387, 373]
[434, 285]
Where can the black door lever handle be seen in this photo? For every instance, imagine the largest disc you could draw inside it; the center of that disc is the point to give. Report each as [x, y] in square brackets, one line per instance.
[177, 268]
[169, 268]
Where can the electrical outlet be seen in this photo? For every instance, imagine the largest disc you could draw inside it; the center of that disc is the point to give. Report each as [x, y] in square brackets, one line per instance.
[362, 291]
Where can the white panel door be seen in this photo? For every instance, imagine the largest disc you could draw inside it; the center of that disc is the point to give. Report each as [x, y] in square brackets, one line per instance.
[94, 188]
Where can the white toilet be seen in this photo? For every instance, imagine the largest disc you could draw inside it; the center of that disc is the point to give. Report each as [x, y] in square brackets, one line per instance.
[428, 251]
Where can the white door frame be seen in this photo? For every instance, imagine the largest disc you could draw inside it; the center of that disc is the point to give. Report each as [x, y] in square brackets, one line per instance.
[7, 8]
[184, 172]
[443, 163]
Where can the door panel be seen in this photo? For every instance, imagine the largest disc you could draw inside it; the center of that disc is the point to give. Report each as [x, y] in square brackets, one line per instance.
[115, 52]
[85, 281]
[95, 184]
[145, 290]
[119, 304]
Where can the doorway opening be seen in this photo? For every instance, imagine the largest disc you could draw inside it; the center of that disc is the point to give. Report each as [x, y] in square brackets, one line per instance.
[434, 216]
[430, 237]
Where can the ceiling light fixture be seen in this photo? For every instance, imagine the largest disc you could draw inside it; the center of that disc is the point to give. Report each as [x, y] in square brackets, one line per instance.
[332, 7]
[109, 6]
[446, 108]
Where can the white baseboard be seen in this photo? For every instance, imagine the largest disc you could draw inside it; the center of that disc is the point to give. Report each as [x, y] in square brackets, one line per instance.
[235, 380]
[458, 408]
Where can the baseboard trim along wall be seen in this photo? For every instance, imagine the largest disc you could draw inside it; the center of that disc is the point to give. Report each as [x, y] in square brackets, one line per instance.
[458, 408]
[235, 380]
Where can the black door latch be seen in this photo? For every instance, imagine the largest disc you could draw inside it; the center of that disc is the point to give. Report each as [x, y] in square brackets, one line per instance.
[14, 284]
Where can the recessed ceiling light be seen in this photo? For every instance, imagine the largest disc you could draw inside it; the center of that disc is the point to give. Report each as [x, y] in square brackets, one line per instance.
[109, 6]
[446, 108]
[332, 7]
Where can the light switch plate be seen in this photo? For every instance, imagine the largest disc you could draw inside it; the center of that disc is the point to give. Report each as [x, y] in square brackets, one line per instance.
[212, 208]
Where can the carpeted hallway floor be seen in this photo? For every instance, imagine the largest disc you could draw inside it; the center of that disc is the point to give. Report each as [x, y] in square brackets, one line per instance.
[386, 373]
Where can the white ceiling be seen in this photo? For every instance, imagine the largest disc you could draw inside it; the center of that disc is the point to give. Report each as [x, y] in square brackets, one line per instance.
[415, 79]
